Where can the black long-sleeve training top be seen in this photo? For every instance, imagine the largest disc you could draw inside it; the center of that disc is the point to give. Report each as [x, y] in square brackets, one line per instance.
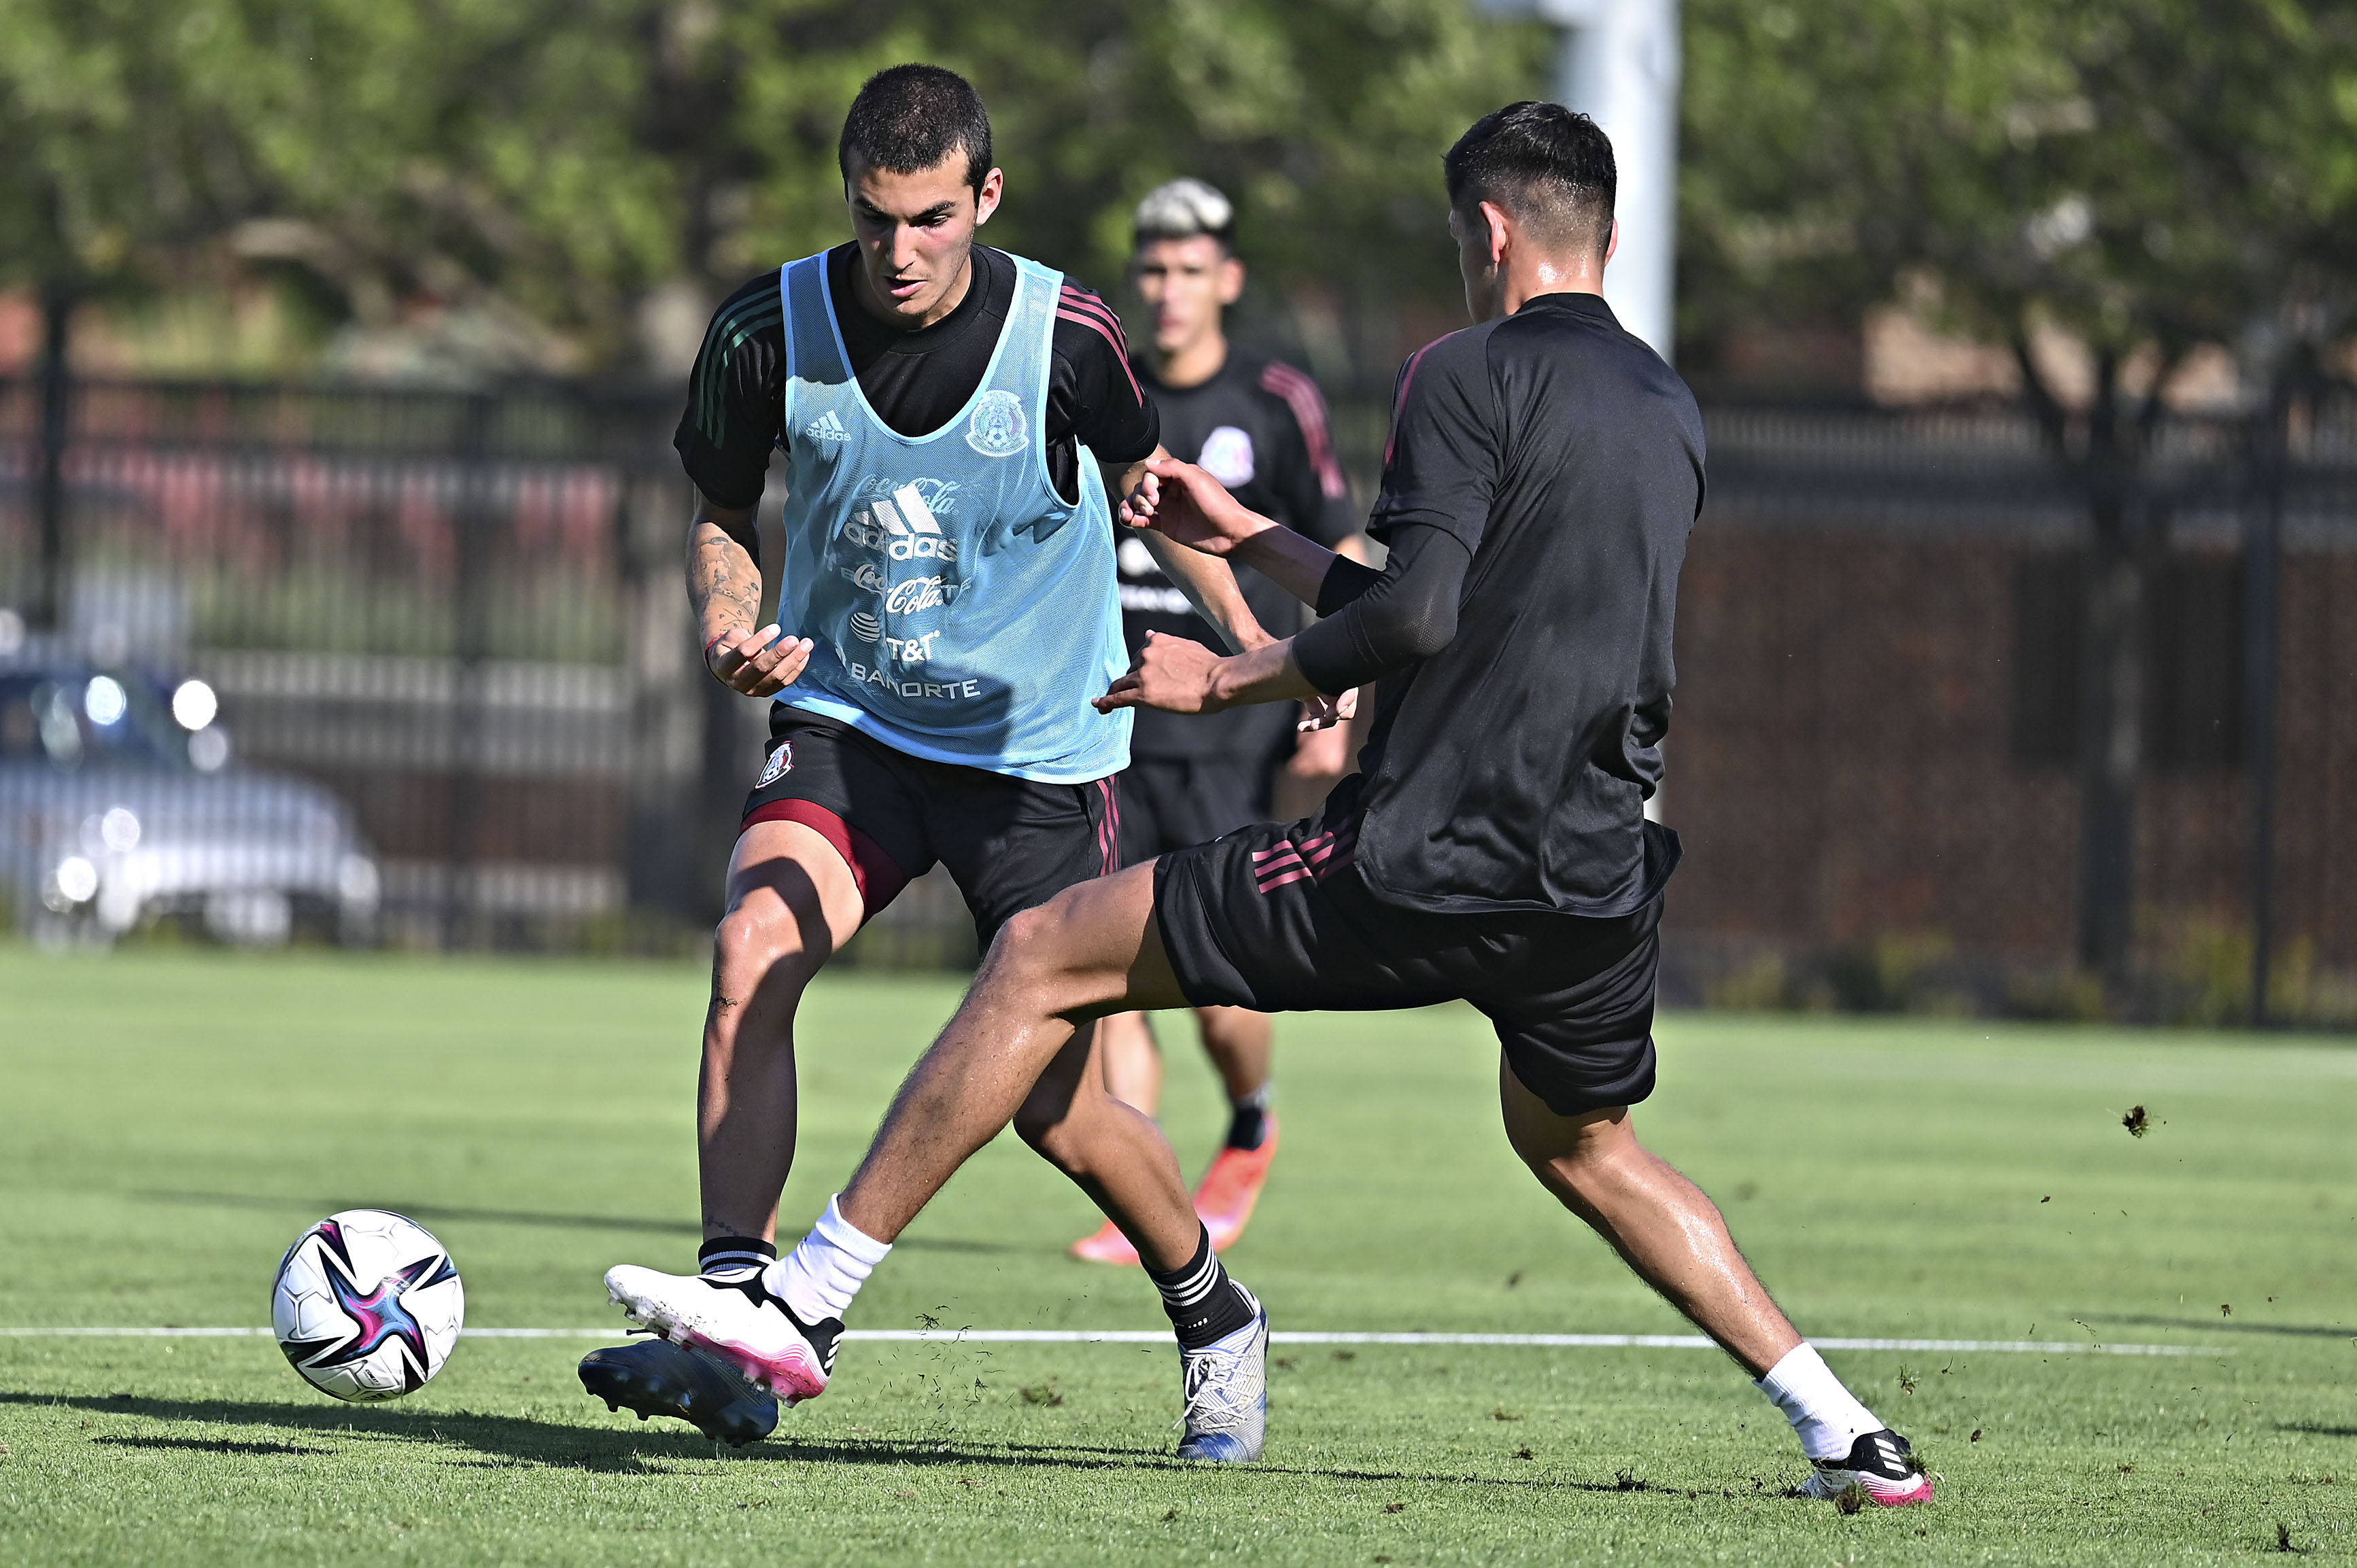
[1544, 472]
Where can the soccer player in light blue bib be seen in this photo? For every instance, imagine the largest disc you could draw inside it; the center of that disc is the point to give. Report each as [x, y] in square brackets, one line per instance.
[950, 609]
[956, 602]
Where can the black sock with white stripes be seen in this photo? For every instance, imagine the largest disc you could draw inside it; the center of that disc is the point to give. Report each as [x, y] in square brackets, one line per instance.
[1205, 1305]
[729, 1260]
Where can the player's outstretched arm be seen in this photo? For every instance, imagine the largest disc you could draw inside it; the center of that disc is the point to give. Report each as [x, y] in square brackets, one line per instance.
[1180, 503]
[723, 585]
[1208, 584]
[1210, 587]
[1179, 675]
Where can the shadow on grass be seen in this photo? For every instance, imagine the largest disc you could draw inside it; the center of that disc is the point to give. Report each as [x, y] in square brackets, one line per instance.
[510, 1441]
[435, 1213]
[2228, 1325]
[212, 1445]
[438, 1213]
[515, 1439]
[2311, 1429]
[962, 1244]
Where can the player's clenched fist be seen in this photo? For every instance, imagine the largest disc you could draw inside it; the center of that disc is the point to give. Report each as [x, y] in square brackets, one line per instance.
[1172, 673]
[759, 663]
[1186, 505]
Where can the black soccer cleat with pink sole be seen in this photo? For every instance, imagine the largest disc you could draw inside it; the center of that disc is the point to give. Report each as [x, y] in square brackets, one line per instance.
[656, 1377]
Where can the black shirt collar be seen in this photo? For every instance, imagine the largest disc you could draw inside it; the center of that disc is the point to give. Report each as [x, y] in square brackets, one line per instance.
[1590, 305]
[1229, 367]
[866, 336]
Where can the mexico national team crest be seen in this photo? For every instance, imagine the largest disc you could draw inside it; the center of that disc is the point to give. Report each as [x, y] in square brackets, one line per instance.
[996, 427]
[781, 762]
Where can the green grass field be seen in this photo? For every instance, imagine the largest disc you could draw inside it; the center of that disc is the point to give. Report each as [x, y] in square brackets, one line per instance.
[167, 1123]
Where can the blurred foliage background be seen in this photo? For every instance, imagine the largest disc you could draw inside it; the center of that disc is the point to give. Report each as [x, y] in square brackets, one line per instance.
[2107, 211]
[2145, 175]
[569, 187]
[583, 180]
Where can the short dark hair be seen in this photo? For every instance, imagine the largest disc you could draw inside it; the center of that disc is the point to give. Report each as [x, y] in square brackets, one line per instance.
[1549, 167]
[910, 117]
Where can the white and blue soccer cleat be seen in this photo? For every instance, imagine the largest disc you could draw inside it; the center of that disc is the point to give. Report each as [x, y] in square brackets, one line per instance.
[1227, 1392]
[738, 1323]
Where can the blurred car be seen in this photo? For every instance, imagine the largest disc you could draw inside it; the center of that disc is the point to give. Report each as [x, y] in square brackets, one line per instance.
[119, 803]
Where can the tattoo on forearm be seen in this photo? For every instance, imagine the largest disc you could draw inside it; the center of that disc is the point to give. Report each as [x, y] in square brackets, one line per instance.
[724, 581]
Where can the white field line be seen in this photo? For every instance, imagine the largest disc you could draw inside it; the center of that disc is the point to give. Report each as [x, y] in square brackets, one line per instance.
[1280, 1337]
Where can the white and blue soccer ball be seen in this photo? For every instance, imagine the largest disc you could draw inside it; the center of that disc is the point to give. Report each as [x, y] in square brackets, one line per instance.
[367, 1306]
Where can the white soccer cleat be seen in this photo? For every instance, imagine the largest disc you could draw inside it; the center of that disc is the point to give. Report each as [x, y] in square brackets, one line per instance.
[1227, 1392]
[1879, 1465]
[740, 1324]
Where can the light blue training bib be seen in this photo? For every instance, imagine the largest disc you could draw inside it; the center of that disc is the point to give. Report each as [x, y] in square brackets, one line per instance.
[964, 611]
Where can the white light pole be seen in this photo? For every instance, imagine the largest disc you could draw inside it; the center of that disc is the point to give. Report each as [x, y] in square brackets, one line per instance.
[1619, 64]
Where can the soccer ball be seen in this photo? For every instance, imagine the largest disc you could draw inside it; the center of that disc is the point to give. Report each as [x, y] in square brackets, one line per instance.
[367, 1306]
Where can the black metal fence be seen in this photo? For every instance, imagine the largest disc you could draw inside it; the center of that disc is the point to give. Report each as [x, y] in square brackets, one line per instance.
[1911, 771]
[416, 667]
[443, 630]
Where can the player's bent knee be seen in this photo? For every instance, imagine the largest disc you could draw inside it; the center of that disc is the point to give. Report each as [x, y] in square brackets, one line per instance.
[1058, 961]
[1029, 941]
[1052, 1135]
[1568, 1154]
[766, 947]
[1544, 1163]
[1030, 956]
[1044, 1123]
[1036, 1125]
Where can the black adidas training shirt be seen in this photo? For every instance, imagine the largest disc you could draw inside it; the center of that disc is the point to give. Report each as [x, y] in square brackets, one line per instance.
[915, 381]
[1259, 426]
[1509, 770]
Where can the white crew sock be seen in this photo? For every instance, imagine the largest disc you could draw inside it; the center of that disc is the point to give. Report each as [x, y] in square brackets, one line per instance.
[819, 1278]
[1826, 1416]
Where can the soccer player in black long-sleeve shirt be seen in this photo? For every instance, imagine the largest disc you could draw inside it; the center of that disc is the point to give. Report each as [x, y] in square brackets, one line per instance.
[1545, 470]
[1259, 427]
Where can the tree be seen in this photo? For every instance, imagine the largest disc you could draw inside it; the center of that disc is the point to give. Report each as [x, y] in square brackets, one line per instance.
[483, 152]
[2147, 176]
[567, 168]
[585, 178]
[93, 180]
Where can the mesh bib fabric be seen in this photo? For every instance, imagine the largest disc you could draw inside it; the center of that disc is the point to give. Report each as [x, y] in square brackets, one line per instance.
[964, 611]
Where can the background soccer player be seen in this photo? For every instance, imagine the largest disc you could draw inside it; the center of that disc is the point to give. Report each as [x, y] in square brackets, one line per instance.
[942, 407]
[1544, 472]
[1260, 428]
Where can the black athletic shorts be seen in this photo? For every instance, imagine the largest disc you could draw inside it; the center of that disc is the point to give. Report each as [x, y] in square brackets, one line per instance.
[1277, 918]
[1009, 844]
[1176, 802]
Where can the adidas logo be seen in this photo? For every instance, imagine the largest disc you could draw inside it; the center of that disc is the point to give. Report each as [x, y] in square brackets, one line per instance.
[826, 427]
